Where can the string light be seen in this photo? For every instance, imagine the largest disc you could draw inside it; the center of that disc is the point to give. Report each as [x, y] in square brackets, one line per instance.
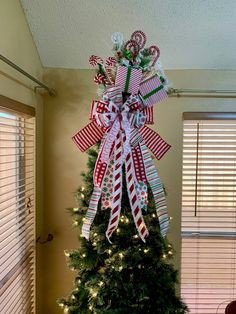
[109, 252]
[127, 220]
[66, 310]
[75, 223]
[121, 255]
[153, 215]
[82, 188]
[94, 295]
[79, 281]
[101, 283]
[171, 218]
[94, 243]
[118, 230]
[170, 252]
[145, 250]
[90, 307]
[164, 256]
[76, 209]
[120, 268]
[67, 253]
[95, 234]
[83, 255]
[136, 236]
[82, 196]
[61, 304]
[73, 297]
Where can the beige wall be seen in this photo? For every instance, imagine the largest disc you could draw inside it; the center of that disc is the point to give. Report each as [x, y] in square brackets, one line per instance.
[65, 115]
[18, 46]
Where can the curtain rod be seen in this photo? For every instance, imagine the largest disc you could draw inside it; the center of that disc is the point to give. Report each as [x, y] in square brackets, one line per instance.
[202, 93]
[51, 91]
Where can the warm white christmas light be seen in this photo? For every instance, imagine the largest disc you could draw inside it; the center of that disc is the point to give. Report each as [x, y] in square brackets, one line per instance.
[109, 251]
[136, 236]
[67, 254]
[101, 283]
[145, 251]
[164, 256]
[120, 268]
[76, 209]
[121, 255]
[94, 295]
[83, 255]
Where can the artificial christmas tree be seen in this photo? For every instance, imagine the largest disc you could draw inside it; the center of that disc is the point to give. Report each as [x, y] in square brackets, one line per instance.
[123, 266]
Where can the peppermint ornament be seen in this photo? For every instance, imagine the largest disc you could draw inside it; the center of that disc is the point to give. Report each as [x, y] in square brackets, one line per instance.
[111, 61]
[99, 79]
[95, 60]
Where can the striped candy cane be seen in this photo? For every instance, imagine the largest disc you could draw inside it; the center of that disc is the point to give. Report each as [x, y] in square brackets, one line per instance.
[157, 190]
[117, 188]
[133, 198]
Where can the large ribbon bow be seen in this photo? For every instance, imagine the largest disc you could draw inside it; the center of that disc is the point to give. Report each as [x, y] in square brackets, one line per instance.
[120, 126]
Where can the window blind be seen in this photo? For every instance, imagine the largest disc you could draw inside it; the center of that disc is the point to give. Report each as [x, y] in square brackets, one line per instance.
[17, 212]
[208, 259]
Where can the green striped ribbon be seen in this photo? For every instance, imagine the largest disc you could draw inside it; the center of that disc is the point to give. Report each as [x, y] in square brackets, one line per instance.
[154, 91]
[127, 79]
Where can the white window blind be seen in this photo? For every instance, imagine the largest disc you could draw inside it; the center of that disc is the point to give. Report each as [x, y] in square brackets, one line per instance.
[17, 212]
[208, 262]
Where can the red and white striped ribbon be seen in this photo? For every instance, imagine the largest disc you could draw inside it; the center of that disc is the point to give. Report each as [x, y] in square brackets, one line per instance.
[91, 212]
[153, 140]
[88, 136]
[134, 199]
[157, 190]
[117, 188]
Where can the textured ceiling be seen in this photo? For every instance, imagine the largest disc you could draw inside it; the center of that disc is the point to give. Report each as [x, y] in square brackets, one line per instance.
[191, 34]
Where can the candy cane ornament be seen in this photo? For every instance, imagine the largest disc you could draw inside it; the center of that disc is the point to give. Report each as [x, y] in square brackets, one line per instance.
[140, 38]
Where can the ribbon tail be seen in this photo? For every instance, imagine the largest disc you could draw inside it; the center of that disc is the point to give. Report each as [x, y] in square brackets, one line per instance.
[88, 136]
[153, 141]
[117, 189]
[157, 190]
[91, 212]
[134, 199]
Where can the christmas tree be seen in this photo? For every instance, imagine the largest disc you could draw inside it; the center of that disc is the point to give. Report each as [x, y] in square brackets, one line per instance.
[127, 276]
[123, 263]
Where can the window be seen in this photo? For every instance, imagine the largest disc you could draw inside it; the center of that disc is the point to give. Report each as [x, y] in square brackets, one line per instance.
[17, 209]
[208, 262]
